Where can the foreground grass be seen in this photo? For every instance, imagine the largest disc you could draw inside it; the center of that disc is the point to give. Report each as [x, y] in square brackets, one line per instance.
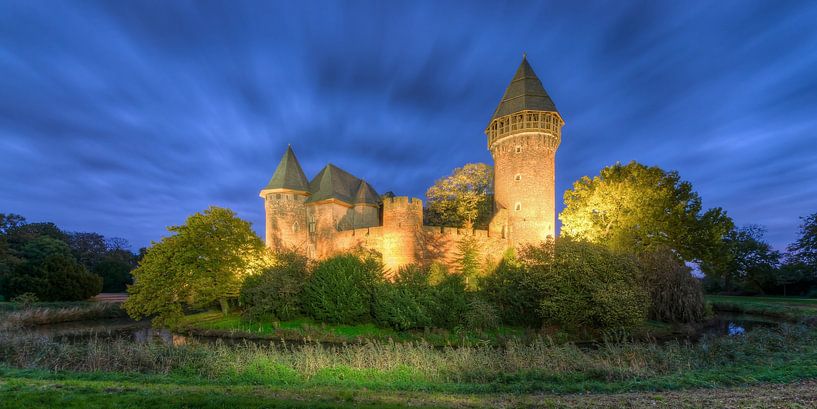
[764, 355]
[787, 308]
[36, 389]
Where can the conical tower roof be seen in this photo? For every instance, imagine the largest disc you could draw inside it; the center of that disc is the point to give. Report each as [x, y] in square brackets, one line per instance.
[525, 92]
[288, 174]
[366, 194]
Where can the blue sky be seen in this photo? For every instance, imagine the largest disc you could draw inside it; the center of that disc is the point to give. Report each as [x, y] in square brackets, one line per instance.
[123, 117]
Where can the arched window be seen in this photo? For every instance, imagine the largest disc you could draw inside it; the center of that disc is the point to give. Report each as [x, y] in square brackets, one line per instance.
[296, 227]
[518, 206]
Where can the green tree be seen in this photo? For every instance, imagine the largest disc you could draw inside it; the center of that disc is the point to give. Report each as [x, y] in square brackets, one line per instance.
[804, 250]
[745, 260]
[587, 285]
[203, 262]
[638, 208]
[9, 221]
[468, 260]
[276, 292]
[42, 247]
[463, 198]
[57, 277]
[341, 289]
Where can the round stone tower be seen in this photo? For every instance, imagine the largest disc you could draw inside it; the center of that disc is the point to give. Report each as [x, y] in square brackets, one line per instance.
[523, 136]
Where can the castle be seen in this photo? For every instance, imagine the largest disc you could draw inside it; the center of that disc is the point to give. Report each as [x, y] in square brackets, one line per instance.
[338, 211]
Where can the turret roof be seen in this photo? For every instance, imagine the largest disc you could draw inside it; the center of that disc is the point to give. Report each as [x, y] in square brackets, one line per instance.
[288, 174]
[525, 92]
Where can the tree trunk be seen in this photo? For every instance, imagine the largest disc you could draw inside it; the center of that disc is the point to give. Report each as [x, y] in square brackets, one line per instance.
[225, 307]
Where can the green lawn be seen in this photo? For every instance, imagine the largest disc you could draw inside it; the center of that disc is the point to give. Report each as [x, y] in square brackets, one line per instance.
[789, 308]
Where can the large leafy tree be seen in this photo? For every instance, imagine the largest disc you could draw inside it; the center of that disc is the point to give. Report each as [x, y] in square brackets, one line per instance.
[638, 208]
[204, 262]
[744, 259]
[462, 198]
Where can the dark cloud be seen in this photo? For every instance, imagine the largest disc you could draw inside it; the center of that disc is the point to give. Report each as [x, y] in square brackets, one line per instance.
[125, 117]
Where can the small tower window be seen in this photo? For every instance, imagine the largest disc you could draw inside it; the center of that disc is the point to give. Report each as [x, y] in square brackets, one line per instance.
[278, 196]
[296, 227]
[518, 149]
[518, 206]
[518, 177]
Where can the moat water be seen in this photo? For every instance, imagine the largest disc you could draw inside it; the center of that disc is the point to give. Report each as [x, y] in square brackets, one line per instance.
[723, 324]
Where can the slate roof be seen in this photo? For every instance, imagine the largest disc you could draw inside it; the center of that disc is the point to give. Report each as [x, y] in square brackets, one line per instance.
[333, 182]
[288, 174]
[525, 92]
[366, 194]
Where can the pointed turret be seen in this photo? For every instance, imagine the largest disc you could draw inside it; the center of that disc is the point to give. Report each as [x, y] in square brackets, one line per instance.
[525, 92]
[523, 135]
[288, 175]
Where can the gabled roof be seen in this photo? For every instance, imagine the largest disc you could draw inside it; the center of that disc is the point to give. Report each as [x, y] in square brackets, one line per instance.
[525, 92]
[288, 174]
[333, 182]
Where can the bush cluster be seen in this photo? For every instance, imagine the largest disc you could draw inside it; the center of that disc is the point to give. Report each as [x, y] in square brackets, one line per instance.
[350, 289]
[566, 283]
[275, 293]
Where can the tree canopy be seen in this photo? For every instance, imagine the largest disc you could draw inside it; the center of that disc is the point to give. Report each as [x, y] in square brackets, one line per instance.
[804, 250]
[639, 208]
[204, 261]
[462, 198]
[744, 258]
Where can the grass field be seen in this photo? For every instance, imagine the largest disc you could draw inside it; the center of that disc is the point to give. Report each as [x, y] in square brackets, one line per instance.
[38, 389]
[788, 308]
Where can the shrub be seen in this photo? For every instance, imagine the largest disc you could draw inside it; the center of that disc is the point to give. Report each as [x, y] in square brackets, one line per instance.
[516, 291]
[481, 315]
[588, 285]
[405, 303]
[276, 291]
[341, 289]
[449, 301]
[675, 295]
[25, 300]
[55, 278]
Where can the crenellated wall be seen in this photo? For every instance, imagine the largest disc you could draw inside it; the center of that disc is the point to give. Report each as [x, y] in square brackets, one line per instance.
[323, 230]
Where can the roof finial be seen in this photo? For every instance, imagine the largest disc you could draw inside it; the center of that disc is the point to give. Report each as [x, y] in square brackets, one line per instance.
[524, 55]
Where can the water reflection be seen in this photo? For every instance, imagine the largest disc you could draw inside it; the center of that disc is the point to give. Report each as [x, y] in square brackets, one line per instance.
[735, 329]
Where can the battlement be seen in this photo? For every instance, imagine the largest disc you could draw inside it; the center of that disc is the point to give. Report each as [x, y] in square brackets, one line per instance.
[402, 201]
[455, 231]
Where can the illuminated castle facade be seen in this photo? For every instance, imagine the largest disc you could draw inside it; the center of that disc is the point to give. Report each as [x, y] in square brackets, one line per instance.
[337, 211]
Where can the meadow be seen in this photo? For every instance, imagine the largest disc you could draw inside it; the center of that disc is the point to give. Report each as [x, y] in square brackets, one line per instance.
[388, 372]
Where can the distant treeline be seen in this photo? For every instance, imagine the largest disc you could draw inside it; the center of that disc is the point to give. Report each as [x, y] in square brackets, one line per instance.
[43, 261]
